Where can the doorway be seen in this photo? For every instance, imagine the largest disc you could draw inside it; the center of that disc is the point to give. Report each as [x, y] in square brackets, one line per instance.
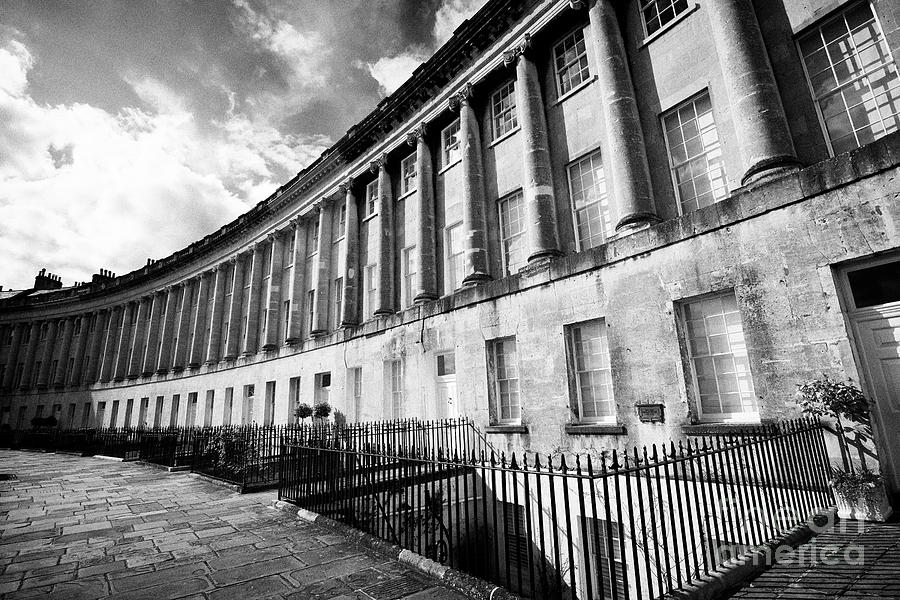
[445, 393]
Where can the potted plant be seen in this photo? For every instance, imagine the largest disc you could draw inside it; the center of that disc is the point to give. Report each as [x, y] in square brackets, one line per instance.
[321, 411]
[303, 411]
[860, 493]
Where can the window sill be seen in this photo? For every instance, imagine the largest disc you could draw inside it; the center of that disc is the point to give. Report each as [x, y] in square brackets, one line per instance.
[659, 32]
[506, 135]
[720, 428]
[595, 429]
[450, 166]
[406, 195]
[575, 90]
[506, 429]
[369, 217]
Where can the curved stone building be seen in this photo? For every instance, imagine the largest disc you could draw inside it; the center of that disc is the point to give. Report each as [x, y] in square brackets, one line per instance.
[581, 224]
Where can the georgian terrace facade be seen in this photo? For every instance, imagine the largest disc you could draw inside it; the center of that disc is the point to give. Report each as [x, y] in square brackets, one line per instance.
[572, 210]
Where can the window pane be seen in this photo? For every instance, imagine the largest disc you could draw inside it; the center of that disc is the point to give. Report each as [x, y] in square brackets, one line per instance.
[570, 60]
[503, 110]
[590, 202]
[505, 378]
[512, 232]
[590, 370]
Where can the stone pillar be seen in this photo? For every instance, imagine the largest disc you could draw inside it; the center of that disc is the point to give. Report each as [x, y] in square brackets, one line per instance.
[81, 350]
[93, 370]
[124, 342]
[182, 327]
[13, 357]
[28, 363]
[198, 339]
[214, 347]
[350, 270]
[165, 359]
[149, 358]
[273, 294]
[59, 378]
[136, 360]
[298, 281]
[425, 281]
[47, 354]
[541, 230]
[323, 269]
[476, 257]
[762, 129]
[109, 344]
[251, 344]
[232, 346]
[625, 162]
[386, 304]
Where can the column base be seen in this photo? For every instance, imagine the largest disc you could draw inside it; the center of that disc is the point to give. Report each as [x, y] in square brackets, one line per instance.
[317, 333]
[635, 222]
[132, 376]
[384, 312]
[475, 278]
[291, 342]
[770, 167]
[269, 347]
[542, 255]
[193, 365]
[147, 374]
[162, 370]
[211, 361]
[349, 324]
[425, 298]
[178, 369]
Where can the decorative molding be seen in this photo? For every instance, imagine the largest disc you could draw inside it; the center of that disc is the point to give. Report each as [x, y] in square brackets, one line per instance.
[345, 186]
[511, 56]
[379, 163]
[576, 4]
[418, 133]
[461, 97]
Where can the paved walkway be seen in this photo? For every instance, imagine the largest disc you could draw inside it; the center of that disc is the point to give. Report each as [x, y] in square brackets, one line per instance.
[851, 561]
[83, 528]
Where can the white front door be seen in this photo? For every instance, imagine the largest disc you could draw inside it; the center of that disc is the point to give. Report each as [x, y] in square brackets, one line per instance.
[446, 399]
[878, 336]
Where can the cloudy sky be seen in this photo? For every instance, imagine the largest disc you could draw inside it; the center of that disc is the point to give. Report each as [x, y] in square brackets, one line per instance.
[130, 129]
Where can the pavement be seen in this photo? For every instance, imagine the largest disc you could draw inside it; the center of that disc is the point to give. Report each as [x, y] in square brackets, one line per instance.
[85, 528]
[851, 560]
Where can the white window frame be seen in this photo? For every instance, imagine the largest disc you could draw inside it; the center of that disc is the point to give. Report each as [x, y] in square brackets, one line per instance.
[745, 416]
[817, 29]
[407, 289]
[607, 228]
[505, 240]
[338, 301]
[408, 175]
[504, 112]
[370, 204]
[559, 70]
[396, 389]
[451, 149]
[370, 289]
[575, 375]
[685, 6]
[494, 382]
[450, 268]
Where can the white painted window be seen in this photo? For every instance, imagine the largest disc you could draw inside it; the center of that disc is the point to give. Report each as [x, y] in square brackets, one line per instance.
[455, 257]
[590, 201]
[338, 301]
[314, 238]
[396, 374]
[370, 298]
[371, 204]
[310, 309]
[503, 379]
[450, 152]
[718, 358]
[407, 291]
[695, 155]
[503, 110]
[853, 78]
[606, 535]
[590, 374]
[356, 378]
[658, 13]
[512, 232]
[408, 174]
[570, 62]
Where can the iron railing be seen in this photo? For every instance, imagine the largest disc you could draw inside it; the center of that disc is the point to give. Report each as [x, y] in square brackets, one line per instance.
[635, 524]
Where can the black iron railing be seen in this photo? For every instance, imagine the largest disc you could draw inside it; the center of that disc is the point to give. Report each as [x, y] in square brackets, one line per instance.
[633, 524]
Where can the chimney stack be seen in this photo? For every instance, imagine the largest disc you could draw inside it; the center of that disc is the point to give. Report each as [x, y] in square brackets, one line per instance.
[47, 281]
[103, 276]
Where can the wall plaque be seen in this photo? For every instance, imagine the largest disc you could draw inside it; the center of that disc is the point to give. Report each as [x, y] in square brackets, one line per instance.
[650, 413]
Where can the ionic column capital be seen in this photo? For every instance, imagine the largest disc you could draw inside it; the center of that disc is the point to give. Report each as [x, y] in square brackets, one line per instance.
[461, 98]
[345, 186]
[511, 56]
[576, 4]
[417, 134]
[378, 164]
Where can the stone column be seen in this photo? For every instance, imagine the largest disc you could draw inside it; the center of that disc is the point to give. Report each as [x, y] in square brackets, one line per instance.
[124, 341]
[165, 359]
[182, 327]
[214, 347]
[13, 358]
[59, 378]
[232, 346]
[198, 339]
[30, 353]
[762, 128]
[94, 366]
[625, 162]
[251, 344]
[81, 349]
[273, 294]
[298, 281]
[540, 204]
[425, 281]
[385, 304]
[149, 358]
[323, 279]
[47, 354]
[475, 227]
[109, 344]
[350, 271]
[136, 360]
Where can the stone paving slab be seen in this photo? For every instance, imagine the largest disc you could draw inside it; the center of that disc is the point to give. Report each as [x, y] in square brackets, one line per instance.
[75, 528]
[849, 561]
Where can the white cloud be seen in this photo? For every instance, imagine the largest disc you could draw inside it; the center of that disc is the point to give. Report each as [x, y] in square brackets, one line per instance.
[136, 184]
[392, 71]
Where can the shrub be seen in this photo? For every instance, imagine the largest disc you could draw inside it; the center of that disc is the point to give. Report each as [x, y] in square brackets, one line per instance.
[322, 410]
[826, 397]
[854, 485]
[303, 411]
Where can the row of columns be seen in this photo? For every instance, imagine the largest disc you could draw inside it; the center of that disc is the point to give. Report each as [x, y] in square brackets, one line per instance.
[144, 336]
